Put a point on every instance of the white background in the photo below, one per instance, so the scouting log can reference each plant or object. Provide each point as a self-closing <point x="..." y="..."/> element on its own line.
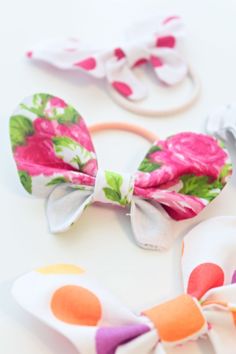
<point x="101" y="241"/>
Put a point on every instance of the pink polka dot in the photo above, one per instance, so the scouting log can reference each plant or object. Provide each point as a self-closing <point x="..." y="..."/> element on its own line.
<point x="123" y="88"/>
<point x="169" y="19"/>
<point x="167" y="41"/>
<point x="140" y="62"/>
<point x="29" y="54"/>
<point x="87" y="64"/>
<point x="156" y="62"/>
<point x="119" y="53"/>
<point x="203" y="278"/>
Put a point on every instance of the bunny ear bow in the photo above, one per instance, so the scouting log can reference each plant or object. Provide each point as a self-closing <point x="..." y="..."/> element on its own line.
<point x="157" y="43"/>
<point x="56" y="160"/>
<point x="65" y="298"/>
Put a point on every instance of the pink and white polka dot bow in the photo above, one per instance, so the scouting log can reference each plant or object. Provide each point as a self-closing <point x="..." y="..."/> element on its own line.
<point x="157" y="43"/>
<point x="56" y="160"/>
<point x="66" y="299"/>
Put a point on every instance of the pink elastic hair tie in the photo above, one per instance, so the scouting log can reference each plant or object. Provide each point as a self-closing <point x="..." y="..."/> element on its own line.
<point x="56" y="160"/>
<point x="132" y="128"/>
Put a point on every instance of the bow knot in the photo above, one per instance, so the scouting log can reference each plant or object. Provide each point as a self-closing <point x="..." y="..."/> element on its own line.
<point x="155" y="41"/>
<point x="56" y="158"/>
<point x="178" y="319"/>
<point x="112" y="187"/>
<point x="64" y="297"/>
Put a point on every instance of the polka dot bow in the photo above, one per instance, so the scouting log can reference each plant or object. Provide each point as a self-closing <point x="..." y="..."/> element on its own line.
<point x="63" y="297"/>
<point x="56" y="159"/>
<point x="156" y="42"/>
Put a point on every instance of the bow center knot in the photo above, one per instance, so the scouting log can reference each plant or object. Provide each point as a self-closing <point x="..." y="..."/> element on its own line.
<point x="178" y="320"/>
<point x="113" y="187"/>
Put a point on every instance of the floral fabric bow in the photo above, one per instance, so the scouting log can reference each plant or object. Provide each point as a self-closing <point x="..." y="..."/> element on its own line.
<point x="66" y="299"/>
<point x="55" y="158"/>
<point x="155" y="43"/>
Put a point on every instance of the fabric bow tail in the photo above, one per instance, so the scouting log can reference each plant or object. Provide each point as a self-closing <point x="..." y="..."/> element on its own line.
<point x="55" y="158"/>
<point x="222" y="123"/>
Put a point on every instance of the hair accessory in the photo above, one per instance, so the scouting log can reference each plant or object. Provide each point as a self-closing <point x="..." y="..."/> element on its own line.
<point x="55" y="158"/>
<point x="222" y="122"/>
<point x="66" y="299"/>
<point x="156" y="42"/>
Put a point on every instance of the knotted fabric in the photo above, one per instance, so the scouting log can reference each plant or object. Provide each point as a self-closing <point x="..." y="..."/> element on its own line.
<point x="66" y="299"/>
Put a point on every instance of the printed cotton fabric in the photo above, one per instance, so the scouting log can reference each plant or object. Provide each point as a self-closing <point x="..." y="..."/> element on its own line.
<point x="156" y="42"/>
<point x="56" y="159"/>
<point x="68" y="300"/>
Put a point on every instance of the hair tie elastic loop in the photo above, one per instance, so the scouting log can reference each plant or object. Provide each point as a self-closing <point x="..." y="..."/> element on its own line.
<point x="124" y="126"/>
<point x="134" y="108"/>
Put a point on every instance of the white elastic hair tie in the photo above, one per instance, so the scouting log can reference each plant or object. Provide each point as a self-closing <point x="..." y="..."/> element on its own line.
<point x="154" y="112"/>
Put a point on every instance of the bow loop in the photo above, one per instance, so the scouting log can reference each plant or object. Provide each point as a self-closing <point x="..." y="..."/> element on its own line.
<point x="51" y="145"/>
<point x="205" y="266"/>
<point x="55" y="158"/>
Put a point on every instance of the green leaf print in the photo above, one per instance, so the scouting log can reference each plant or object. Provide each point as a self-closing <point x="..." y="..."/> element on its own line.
<point x="226" y="171"/>
<point x="61" y="142"/>
<point x="148" y="166"/>
<point x="20" y="128"/>
<point x="26" y="181"/>
<point x="70" y="115"/>
<point x="111" y="194"/>
<point x="56" y="180"/>
<point x="200" y="186"/>
<point x="77" y="160"/>
<point x="39" y="105"/>
<point x="79" y="155"/>
<point x="39" y="101"/>
<point x="153" y="149"/>
<point x="221" y="144"/>
<point x="114" y="180"/>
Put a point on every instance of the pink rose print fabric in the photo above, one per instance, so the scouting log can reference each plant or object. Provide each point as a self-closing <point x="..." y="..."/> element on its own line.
<point x="65" y="298"/>
<point x="56" y="160"/>
<point x="156" y="43"/>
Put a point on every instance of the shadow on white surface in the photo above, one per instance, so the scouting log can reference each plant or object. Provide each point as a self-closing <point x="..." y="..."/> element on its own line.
<point x="44" y="336"/>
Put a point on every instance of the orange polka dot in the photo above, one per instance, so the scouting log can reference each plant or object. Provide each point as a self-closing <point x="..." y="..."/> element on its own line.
<point x="177" y="319"/>
<point x="76" y="305"/>
<point x="60" y="269"/>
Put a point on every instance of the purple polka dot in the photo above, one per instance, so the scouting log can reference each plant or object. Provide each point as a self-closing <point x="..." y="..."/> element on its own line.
<point x="234" y="278"/>
<point x="109" y="338"/>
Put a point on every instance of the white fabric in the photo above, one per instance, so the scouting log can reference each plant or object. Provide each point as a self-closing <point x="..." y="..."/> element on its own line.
<point x="222" y="122"/>
<point x="71" y="54"/>
<point x="212" y="242"/>
<point x="152" y="227"/>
